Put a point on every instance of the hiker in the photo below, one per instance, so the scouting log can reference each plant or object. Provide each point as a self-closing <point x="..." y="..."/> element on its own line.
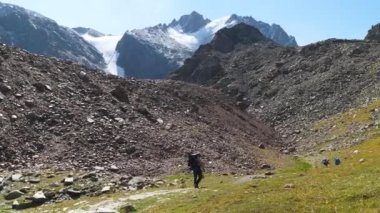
<point x="196" y="166"/>
<point x="325" y="162"/>
<point x="337" y="161"/>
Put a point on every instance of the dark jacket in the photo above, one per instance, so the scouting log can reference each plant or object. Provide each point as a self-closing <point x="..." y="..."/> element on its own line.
<point x="195" y="163"/>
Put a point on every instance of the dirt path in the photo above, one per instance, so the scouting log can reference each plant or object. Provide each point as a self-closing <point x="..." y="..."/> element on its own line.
<point x="110" y="205"/>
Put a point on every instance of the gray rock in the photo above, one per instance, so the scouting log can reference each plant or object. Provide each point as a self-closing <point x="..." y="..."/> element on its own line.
<point x="289" y="186"/>
<point x="120" y="94"/>
<point x="34" y="180"/>
<point x="99" y="168"/>
<point x="106" y="189"/>
<point x="5" y="88"/>
<point x="105" y="210"/>
<point x="89" y="175"/>
<point x="169" y="126"/>
<point x="269" y="173"/>
<point x="25" y="189"/>
<point x="49" y="194"/>
<point x="74" y="193"/>
<point x="2" y="97"/>
<point x="90" y="120"/>
<point x="261" y="146"/>
<point x="16" y="177"/>
<point x="137" y="182"/>
<point x="114" y="168"/>
<point x="265" y="166"/>
<point x="13" y="195"/>
<point x="18" y="95"/>
<point x="127" y="208"/>
<point x="15" y="204"/>
<point x="68" y="181"/>
<point x="39" y="197"/>
<point x="14" y="117"/>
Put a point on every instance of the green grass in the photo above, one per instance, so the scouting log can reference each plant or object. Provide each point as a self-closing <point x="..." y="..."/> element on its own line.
<point x="350" y="187"/>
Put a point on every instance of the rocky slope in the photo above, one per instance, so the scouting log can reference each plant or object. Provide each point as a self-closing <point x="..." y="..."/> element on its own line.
<point x="63" y="115"/>
<point x="37" y="34"/>
<point x="374" y="33"/>
<point x="153" y="52"/>
<point x="290" y="87"/>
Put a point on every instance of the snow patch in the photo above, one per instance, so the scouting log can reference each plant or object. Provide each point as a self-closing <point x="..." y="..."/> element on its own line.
<point x="187" y="40"/>
<point x="107" y="46"/>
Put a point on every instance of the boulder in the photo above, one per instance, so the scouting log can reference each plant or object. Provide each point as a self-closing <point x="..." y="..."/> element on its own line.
<point x="106" y="189"/>
<point x="120" y="94"/>
<point x="5" y="88"/>
<point x="2" y="97"/>
<point x="14" y="117"/>
<point x="68" y="181"/>
<point x="137" y="182"/>
<point x="39" y="197"/>
<point x="261" y="146"/>
<point x="49" y="194"/>
<point x="34" y="180"/>
<point x="265" y="166"/>
<point x="127" y="208"/>
<point x="74" y="193"/>
<point x="13" y="195"/>
<point x="114" y="168"/>
<point x="105" y="210"/>
<point x="269" y="173"/>
<point x="16" y="177"/>
<point x="25" y="189"/>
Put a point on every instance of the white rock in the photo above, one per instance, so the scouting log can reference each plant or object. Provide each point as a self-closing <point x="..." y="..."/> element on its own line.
<point x="99" y="168"/>
<point x="90" y="120"/>
<point x="68" y="181"/>
<point x="104" y="210"/>
<point x="106" y="189"/>
<point x="16" y="177"/>
<point x="39" y="197"/>
<point x="160" y="121"/>
<point x="356" y="152"/>
<point x="114" y="168"/>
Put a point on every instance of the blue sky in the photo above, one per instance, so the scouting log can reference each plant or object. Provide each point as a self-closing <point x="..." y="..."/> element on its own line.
<point x="308" y="20"/>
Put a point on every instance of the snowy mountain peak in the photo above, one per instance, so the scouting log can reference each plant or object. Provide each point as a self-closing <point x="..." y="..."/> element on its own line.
<point x="153" y="52"/>
<point x="189" y="23"/>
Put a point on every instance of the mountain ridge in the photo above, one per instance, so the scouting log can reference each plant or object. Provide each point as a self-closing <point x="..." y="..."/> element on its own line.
<point x="172" y="44"/>
<point x="38" y="34"/>
<point x="290" y="88"/>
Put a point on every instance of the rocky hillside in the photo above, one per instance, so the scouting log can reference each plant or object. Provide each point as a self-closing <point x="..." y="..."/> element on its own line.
<point x="37" y="34"/>
<point x="61" y="114"/>
<point x="153" y="52"/>
<point x="374" y="33"/>
<point x="290" y="87"/>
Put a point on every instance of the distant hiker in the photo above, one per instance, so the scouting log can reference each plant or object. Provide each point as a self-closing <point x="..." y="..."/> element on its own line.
<point x="337" y="161"/>
<point x="196" y="166"/>
<point x="325" y="162"/>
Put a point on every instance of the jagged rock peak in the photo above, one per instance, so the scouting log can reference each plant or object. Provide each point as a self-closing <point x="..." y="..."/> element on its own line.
<point x="274" y="31"/>
<point x="190" y="23"/>
<point x="374" y="33"/>
<point x="242" y="33"/>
